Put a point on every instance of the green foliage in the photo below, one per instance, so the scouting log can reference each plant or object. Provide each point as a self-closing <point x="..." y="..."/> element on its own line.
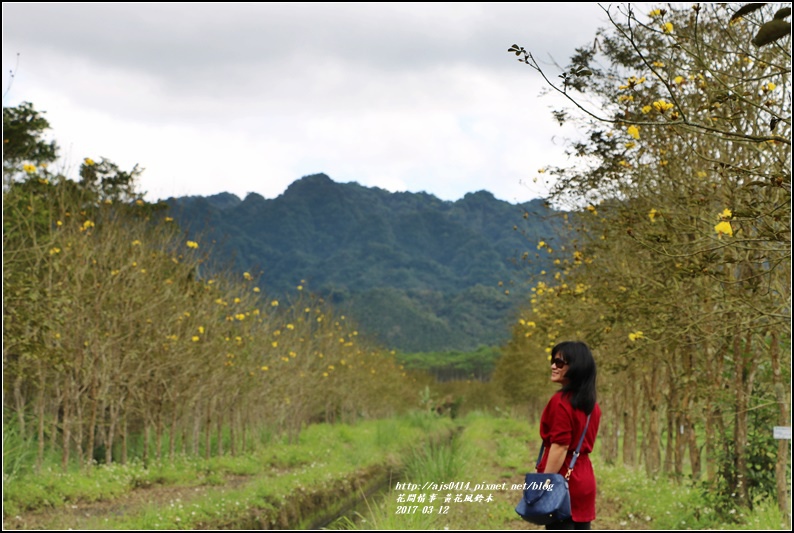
<point x="23" y="142"/>
<point x="453" y="365"/>
<point x="720" y="493"/>
<point x="17" y="454"/>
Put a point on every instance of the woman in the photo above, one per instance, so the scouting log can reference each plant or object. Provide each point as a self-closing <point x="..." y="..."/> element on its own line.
<point x="561" y="426"/>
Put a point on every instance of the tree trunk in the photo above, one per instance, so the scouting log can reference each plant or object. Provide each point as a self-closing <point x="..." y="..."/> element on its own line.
<point x="41" y="409"/>
<point x="630" y="423"/>
<point x="220" y="433"/>
<point x="669" y="444"/>
<point x="158" y="433"/>
<point x="67" y="434"/>
<point x="145" y="451"/>
<point x="196" y="429"/>
<point x="19" y="400"/>
<point x="172" y="435"/>
<point x="651" y="433"/>
<point x="89" y="452"/>
<point x="740" y="423"/>
<point x="124" y="436"/>
<point x="783" y="420"/>
<point x="207" y="431"/>
<point x="111" y="433"/>
<point x="232" y="433"/>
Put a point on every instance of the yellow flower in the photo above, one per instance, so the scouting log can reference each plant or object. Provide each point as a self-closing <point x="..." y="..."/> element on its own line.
<point x="169" y="219"/>
<point x="274" y="303"/>
<point x="678" y="80"/>
<point x="192" y="244"/>
<point x="247" y="276"/>
<point x="55" y="250"/>
<point x="724" y="228"/>
<point x="541" y="244"/>
<point x="726" y="214"/>
<point x="30" y="169"/>
<point x="770" y="87"/>
<point x="89" y="162"/>
<point x="646" y="109"/>
<point x="636" y="335"/>
<point x="240" y="316"/>
<point x="274" y="344"/>
<point x="264" y="369"/>
<point x="300" y="287"/>
<point x="658" y="64"/>
<point x="87" y="224"/>
<point x="201" y="329"/>
<point x="633" y="131"/>
<point x="702" y="174"/>
<point x="630" y="145"/>
<point x="195" y="338"/>
<point x="290" y="326"/>
<point x="237" y="300"/>
<point x="256" y="289"/>
<point x="138" y="202"/>
<point x="667" y="27"/>
<point x="652" y="215"/>
<point x="136" y="242"/>
<point x="662" y="106"/>
<point x="655" y="13"/>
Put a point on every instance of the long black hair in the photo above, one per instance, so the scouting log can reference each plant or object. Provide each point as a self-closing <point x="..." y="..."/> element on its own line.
<point x="581" y="374"/>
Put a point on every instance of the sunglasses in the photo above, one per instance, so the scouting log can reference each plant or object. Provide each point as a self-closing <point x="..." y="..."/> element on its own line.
<point x="558" y="362"/>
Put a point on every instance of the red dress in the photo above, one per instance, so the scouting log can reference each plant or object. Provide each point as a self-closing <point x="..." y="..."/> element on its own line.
<point x="562" y="424"/>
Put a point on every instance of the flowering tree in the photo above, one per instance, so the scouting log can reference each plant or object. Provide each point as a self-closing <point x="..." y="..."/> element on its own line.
<point x="682" y="204"/>
<point x="118" y="338"/>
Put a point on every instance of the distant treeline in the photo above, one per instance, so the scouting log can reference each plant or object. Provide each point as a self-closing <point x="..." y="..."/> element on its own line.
<point x="453" y="365"/>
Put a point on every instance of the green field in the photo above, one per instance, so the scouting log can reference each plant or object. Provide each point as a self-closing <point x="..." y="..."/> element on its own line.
<point x="352" y="477"/>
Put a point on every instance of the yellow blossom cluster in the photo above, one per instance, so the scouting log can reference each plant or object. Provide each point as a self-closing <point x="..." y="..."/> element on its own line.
<point x="632" y="82"/>
<point x="661" y="106"/>
<point x="724" y="226"/>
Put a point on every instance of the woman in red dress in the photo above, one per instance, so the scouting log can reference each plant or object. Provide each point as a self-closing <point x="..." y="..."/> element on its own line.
<point x="561" y="426"/>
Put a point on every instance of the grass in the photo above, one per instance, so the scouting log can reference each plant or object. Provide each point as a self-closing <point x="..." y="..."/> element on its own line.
<point x="496" y="451"/>
<point x="282" y="486"/>
<point x="328" y="460"/>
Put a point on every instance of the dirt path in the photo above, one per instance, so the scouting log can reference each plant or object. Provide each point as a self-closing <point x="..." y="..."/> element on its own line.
<point x="91" y="515"/>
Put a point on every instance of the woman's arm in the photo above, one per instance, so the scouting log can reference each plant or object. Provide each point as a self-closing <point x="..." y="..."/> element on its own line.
<point x="556" y="457"/>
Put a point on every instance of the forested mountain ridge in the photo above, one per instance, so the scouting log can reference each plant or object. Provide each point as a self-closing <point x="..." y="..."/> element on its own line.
<point x="417" y="272"/>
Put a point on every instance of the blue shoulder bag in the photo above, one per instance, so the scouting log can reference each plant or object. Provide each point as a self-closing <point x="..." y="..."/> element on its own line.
<point x="546" y="498"/>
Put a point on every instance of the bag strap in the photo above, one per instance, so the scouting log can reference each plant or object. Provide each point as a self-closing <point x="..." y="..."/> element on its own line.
<point x="575" y="453"/>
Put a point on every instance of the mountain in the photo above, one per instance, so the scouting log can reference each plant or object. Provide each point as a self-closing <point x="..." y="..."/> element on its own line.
<point x="414" y="271"/>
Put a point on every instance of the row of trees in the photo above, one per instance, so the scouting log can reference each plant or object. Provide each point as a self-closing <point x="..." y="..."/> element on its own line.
<point x="680" y="275"/>
<point x="119" y="341"/>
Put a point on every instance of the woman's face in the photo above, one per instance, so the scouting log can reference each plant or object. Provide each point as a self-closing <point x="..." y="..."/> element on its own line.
<point x="558" y="369"/>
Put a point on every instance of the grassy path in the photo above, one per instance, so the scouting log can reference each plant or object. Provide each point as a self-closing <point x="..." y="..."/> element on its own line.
<point x="300" y="486"/>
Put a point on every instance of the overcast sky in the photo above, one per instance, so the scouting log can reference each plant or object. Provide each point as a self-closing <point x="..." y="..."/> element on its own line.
<point x="243" y="98"/>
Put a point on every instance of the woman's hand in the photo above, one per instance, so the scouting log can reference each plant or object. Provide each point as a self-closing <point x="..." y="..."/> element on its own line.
<point x="556" y="457"/>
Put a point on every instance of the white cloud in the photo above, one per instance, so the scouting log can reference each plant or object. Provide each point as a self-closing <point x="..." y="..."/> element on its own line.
<point x="250" y="97"/>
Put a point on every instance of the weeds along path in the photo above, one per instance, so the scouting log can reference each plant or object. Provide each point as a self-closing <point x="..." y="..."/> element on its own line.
<point x="285" y="486"/>
<point x="91" y="515"/>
